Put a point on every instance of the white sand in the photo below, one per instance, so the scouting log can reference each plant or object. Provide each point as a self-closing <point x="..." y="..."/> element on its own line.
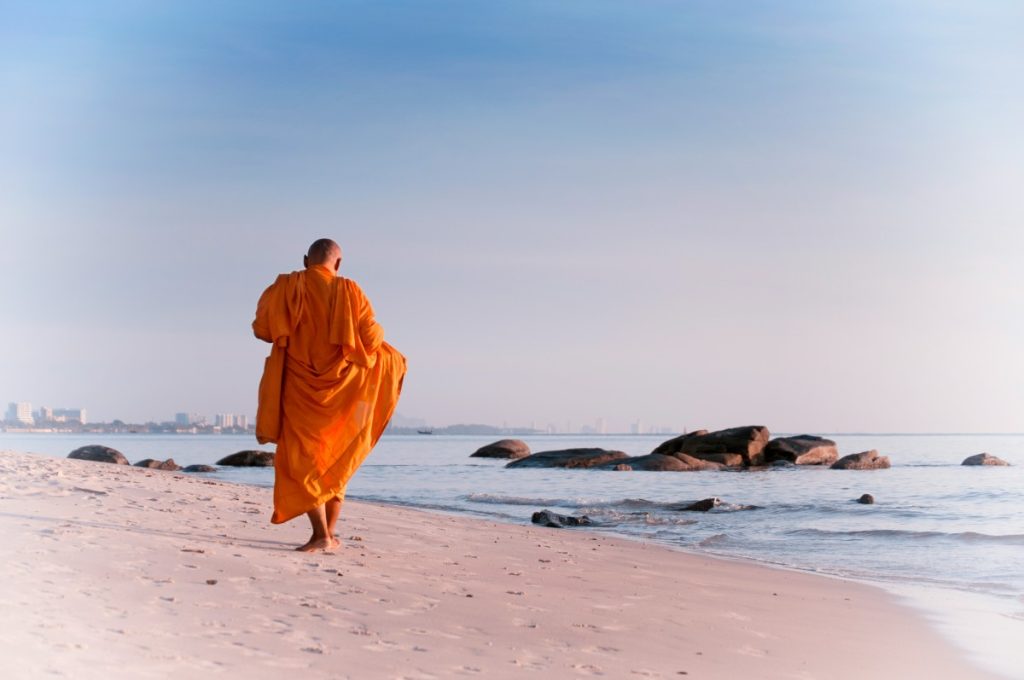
<point x="116" y="572"/>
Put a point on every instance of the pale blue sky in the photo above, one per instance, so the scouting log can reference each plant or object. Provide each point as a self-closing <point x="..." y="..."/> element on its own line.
<point x="801" y="214"/>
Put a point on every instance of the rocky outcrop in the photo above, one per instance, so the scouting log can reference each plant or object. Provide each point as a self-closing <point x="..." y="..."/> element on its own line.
<point x="699" y="506"/>
<point x="748" y="442"/>
<point x="866" y="499"/>
<point x="199" y="468"/>
<point x="866" y="460"/>
<point x="99" y="454"/>
<point x="804" y="449"/>
<point x="656" y="462"/>
<point x="569" y="458"/>
<point x="676" y="444"/>
<point x="547" y="518"/>
<point x="983" y="459"/>
<point x="152" y="464"/>
<point x="248" y="459"/>
<point x="505" y="448"/>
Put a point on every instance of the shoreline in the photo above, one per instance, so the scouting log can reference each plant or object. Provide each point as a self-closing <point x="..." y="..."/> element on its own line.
<point x="107" y="570"/>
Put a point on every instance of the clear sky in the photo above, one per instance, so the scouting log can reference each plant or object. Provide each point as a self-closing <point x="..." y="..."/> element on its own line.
<point x="803" y="214"/>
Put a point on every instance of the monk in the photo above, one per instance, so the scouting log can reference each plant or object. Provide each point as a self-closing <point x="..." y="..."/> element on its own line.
<point x="329" y="388"/>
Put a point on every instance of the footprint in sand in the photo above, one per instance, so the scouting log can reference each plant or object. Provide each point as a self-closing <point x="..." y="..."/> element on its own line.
<point x="587" y="669"/>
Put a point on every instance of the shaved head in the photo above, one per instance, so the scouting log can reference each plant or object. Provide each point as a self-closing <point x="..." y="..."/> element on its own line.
<point x="323" y="251"/>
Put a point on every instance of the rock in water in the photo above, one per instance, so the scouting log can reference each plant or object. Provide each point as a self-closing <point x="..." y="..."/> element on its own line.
<point x="983" y="459"/>
<point x="866" y="460"/>
<point x="659" y="463"/>
<point x="866" y="499"/>
<point x="569" y="458"/>
<point x="804" y="449"/>
<point x="248" y="459"/>
<point x="699" y="506"/>
<point x="168" y="464"/>
<point x="553" y="519"/>
<point x="99" y="454"/>
<point x="748" y="442"/>
<point x="505" y="448"/>
<point x="199" y="468"/>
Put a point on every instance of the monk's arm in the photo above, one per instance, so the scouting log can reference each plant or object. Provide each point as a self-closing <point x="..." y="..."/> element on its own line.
<point x="370" y="332"/>
<point x="261" y="324"/>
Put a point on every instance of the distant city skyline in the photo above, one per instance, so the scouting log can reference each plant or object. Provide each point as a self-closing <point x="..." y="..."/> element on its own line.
<point x="798" y="214"/>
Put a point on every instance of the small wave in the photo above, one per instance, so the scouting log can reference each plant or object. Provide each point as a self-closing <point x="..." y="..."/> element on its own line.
<point x="713" y="540"/>
<point x="498" y="499"/>
<point x="966" y="536"/>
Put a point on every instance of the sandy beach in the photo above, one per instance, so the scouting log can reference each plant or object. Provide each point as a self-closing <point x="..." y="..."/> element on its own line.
<point x="121" y="572"/>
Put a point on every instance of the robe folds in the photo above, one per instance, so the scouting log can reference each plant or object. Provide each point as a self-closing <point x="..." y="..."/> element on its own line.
<point x="329" y="386"/>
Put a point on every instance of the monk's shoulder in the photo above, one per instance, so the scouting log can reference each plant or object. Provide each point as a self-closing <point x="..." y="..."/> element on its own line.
<point x="351" y="287"/>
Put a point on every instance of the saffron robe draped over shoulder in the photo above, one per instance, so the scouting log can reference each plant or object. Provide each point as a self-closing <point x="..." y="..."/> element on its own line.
<point x="329" y="386"/>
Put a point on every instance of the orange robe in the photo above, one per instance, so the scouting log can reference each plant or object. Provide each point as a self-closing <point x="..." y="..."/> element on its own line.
<point x="329" y="387"/>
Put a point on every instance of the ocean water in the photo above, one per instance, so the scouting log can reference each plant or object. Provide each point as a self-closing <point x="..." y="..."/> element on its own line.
<point x="948" y="539"/>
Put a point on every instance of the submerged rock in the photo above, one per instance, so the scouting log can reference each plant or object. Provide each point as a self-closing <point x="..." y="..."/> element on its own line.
<point x="505" y="448"/>
<point x="99" y="454"/>
<point x="699" y="506"/>
<point x="747" y="442"/>
<point x="984" y="459"/>
<point x="651" y="462"/>
<point x="804" y="449"/>
<point x="152" y="464"/>
<point x="248" y="459"/>
<point x="569" y="458"/>
<point x="199" y="468"/>
<point x="866" y="499"/>
<point x="656" y="462"/>
<point x="865" y="460"/>
<point x="553" y="519"/>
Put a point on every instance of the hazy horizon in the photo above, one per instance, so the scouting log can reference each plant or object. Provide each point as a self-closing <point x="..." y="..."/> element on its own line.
<point x="795" y="214"/>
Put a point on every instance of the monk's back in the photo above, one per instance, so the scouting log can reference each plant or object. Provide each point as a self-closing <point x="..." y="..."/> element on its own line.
<point x="310" y="344"/>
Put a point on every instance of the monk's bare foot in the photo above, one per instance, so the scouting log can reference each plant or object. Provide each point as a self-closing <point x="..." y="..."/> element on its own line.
<point x="327" y="544"/>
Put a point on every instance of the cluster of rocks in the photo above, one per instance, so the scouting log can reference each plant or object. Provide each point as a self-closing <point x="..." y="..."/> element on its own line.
<point x="730" y="449"/>
<point x="104" y="454"/>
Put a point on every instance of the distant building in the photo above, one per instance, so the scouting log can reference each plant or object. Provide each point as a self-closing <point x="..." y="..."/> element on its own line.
<point x="242" y="422"/>
<point x="224" y="420"/>
<point x="69" y="415"/>
<point x="20" y="412"/>
<point x="600" y="427"/>
<point x="636" y="428"/>
<point x="45" y="414"/>
<point x="188" y="419"/>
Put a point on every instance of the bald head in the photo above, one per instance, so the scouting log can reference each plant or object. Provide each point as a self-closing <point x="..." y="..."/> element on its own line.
<point x="323" y="251"/>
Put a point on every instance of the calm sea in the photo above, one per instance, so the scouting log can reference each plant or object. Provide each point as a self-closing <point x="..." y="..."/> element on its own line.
<point x="948" y="538"/>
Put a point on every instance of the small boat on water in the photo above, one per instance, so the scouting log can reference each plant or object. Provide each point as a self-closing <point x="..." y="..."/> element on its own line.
<point x="425" y="430"/>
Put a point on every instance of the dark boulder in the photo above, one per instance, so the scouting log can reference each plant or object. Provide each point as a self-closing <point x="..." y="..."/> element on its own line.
<point x="199" y="468"/>
<point x="99" y="454"/>
<point x="168" y="464"/>
<point x="656" y="462"/>
<point x="804" y="449"/>
<point x="983" y="459"/>
<point x="866" y="460"/>
<point x="748" y="441"/>
<point x="676" y="444"/>
<point x="866" y="499"/>
<point x="698" y="506"/>
<point x="720" y="459"/>
<point x="569" y="458"/>
<point x="506" y="448"/>
<point x="781" y="464"/>
<point x="248" y="459"/>
<point x="553" y="519"/>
